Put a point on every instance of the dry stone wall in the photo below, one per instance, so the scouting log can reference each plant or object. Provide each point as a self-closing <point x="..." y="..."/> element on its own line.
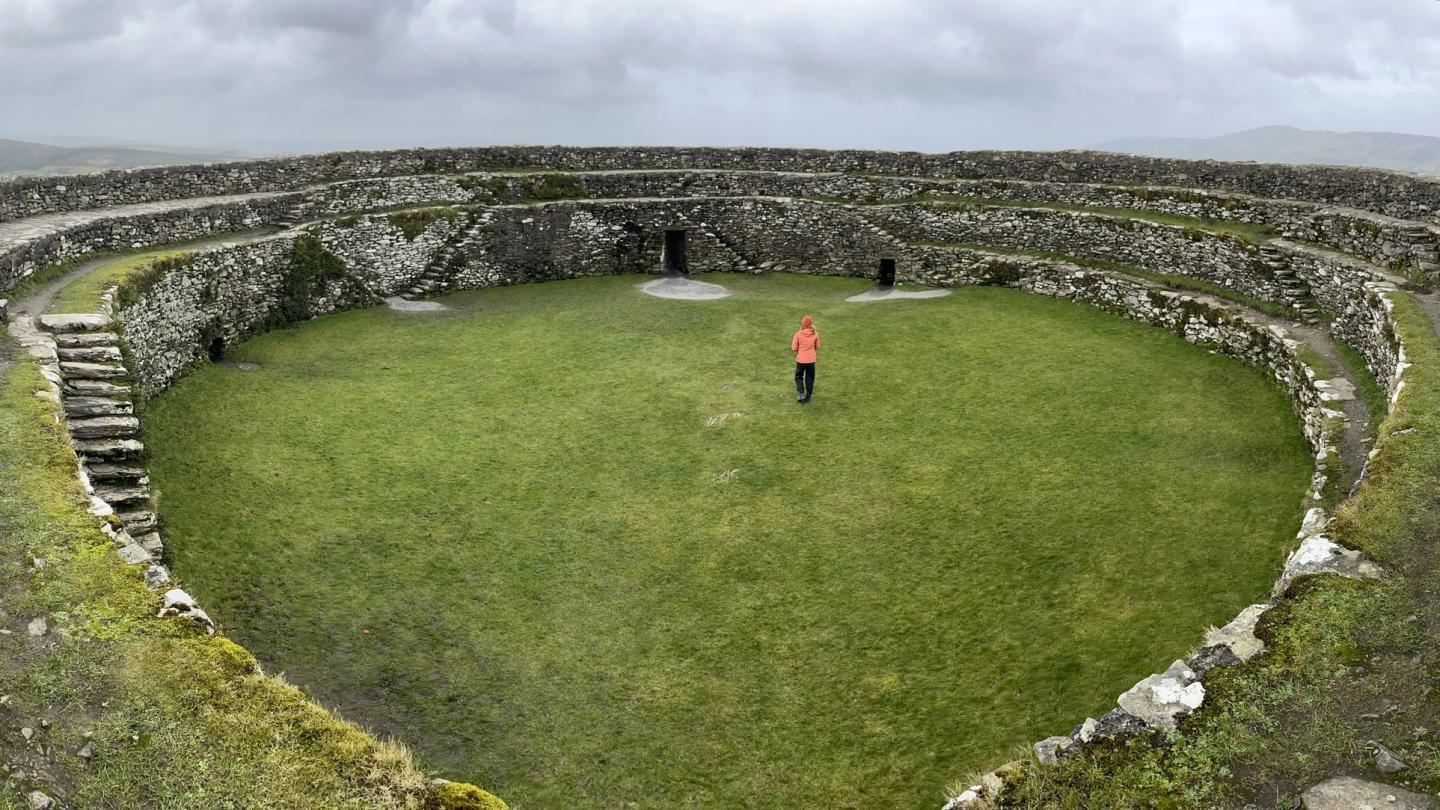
<point x="1216" y="258"/>
<point x="1392" y="193"/>
<point x="378" y="251"/>
<point x="1407" y="247"/>
<point x="221" y="295"/>
<point x="18" y="261"/>
<point x="839" y="223"/>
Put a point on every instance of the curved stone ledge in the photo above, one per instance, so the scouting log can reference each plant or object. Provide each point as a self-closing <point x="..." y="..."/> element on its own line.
<point x="1395" y="194"/>
<point x="225" y="294"/>
<point x="1408" y="247"/>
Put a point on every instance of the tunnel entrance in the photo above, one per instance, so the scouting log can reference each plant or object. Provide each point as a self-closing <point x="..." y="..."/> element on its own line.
<point x="887" y="272"/>
<point x="672" y="258"/>
<point x="216" y="349"/>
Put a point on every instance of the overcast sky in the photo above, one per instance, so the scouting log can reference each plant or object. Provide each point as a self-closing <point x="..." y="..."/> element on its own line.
<point x="300" y="75"/>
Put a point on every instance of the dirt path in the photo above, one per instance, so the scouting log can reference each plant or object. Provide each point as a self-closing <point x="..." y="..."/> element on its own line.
<point x="36" y="303"/>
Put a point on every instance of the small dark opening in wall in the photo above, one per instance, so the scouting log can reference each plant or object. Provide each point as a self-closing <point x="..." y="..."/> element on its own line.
<point x="672" y="258"/>
<point x="887" y="272"/>
<point x="216" y="349"/>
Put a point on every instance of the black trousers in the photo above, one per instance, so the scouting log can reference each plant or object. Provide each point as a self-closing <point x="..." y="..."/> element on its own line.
<point x="805" y="379"/>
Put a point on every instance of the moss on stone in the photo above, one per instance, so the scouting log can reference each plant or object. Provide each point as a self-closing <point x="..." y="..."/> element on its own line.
<point x="134" y="287"/>
<point x="312" y="266"/>
<point x="461" y="796"/>
<point x="412" y="223"/>
<point x="556" y="186"/>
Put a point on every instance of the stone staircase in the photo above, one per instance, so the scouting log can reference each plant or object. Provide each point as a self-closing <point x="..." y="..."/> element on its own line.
<point x="1293" y="290"/>
<point x="1423" y="245"/>
<point x="298" y="213"/>
<point x="440" y="273"/>
<point x="730" y="253"/>
<point x="95" y="396"/>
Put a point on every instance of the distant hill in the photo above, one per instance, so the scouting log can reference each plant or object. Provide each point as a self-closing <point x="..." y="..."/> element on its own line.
<point x="27" y="157"/>
<point x="1385" y="150"/>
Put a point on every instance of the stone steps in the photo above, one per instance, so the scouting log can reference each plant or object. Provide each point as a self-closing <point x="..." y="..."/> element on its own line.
<point x="102" y="425"/>
<point x="151" y="542"/>
<point x="75" y="340"/>
<point x="66" y="324"/>
<point x="108" y="449"/>
<point x="89" y="354"/>
<point x="118" y="495"/>
<point x="105" y="427"/>
<point x="109" y="471"/>
<point x="436" y="277"/>
<point x="93" y="388"/>
<point x="139" y="522"/>
<point x="92" y="371"/>
<point x="83" y="406"/>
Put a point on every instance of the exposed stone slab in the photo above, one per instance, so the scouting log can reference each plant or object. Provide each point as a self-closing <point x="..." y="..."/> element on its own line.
<point x="80" y="407"/>
<point x="94" y="388"/>
<point x="109" y="449"/>
<point x="1115" y="723"/>
<point x="123" y="495"/>
<point x="1349" y="793"/>
<point x="179" y="603"/>
<point x="1320" y="555"/>
<point x="1161" y="700"/>
<point x="1052" y="749"/>
<point x="92" y="371"/>
<point x="134" y="554"/>
<point x="89" y="354"/>
<point x="1205" y="659"/>
<point x="395" y="302"/>
<point x="105" y="427"/>
<point x="140" y="522"/>
<point x="108" y="471"/>
<point x="61" y="324"/>
<point x="684" y="289"/>
<point x="86" y="339"/>
<point x="1387" y="761"/>
<point x="894" y="294"/>
<point x="152" y="543"/>
<point x="1239" y="634"/>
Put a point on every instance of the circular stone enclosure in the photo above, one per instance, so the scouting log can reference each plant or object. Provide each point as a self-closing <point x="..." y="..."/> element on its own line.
<point x="580" y="545"/>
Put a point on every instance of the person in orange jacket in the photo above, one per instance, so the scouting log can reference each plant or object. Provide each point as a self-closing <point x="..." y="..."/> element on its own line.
<point x="804" y="344"/>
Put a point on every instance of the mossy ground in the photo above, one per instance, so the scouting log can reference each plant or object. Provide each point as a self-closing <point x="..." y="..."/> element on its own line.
<point x="504" y="533"/>
<point x="176" y="719"/>
<point x="84" y="294"/>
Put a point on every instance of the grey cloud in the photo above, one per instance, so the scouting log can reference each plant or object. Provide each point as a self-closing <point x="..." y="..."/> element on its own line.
<point x="997" y="72"/>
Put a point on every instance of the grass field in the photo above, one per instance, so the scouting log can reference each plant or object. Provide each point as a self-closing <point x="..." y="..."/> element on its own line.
<point x="84" y="294"/>
<point x="506" y="534"/>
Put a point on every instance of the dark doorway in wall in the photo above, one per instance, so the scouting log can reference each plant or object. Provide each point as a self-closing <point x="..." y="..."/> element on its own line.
<point x="887" y="272"/>
<point x="216" y="349"/>
<point x="672" y="258"/>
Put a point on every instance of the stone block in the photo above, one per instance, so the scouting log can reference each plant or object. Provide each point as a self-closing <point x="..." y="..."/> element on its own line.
<point x="1349" y="793"/>
<point x="1159" y="701"/>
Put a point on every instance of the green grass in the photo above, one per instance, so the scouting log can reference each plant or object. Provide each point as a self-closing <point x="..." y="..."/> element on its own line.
<point x="50" y="272"/>
<point x="497" y="531"/>
<point x="177" y="720"/>
<point x="1298" y="714"/>
<point x="84" y="293"/>
<point x="1366" y="386"/>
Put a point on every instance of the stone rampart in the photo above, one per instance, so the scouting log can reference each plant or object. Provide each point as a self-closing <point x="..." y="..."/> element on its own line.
<point x="184" y="223"/>
<point x="840" y="225"/>
<point x="1394" y="194"/>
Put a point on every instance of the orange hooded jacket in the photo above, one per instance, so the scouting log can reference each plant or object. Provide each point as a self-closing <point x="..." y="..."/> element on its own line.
<point x="805" y="342"/>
